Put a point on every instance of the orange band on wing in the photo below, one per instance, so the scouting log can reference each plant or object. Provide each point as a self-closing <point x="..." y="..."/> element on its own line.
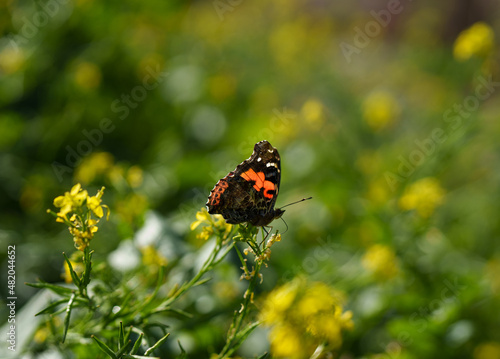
<point x="260" y="182"/>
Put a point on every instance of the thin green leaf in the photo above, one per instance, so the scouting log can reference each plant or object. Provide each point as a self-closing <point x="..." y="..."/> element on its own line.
<point x="64" y="291"/>
<point x="155" y="292"/>
<point x="73" y="274"/>
<point x="128" y="356"/>
<point x="121" y="336"/>
<point x="123" y="348"/>
<point x="68" y="315"/>
<point x="243" y="334"/>
<point x="202" y="281"/>
<point x="104" y="347"/>
<point x="183" y="354"/>
<point x="51" y="306"/>
<point x="137" y="344"/>
<point x="156" y="345"/>
<point x="174" y="310"/>
<point x="88" y="267"/>
<point x="127" y="335"/>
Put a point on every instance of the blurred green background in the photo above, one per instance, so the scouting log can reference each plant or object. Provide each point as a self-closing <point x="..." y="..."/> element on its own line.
<point x="386" y="112"/>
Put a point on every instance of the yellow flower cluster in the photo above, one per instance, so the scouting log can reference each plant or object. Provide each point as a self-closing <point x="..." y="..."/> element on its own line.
<point x="424" y="196"/>
<point x="214" y="224"/>
<point x="478" y="40"/>
<point x="303" y="316"/>
<point x="487" y="350"/>
<point x="102" y="164"/>
<point x="78" y="205"/>
<point x="87" y="75"/>
<point x="380" y="109"/>
<point x="381" y="261"/>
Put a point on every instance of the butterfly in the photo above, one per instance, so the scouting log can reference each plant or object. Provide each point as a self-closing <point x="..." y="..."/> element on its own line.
<point x="249" y="193"/>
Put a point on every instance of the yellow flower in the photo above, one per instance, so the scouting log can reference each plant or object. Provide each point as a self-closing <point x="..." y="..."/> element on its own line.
<point x="87" y="75"/>
<point x="305" y="314"/>
<point x="313" y="113"/>
<point x="12" y="59"/>
<point x="215" y="223"/>
<point x="201" y="217"/>
<point x="319" y="297"/>
<point x="286" y="342"/>
<point x="381" y="261"/>
<point x="81" y="226"/>
<point x="424" y="196"/>
<point x="492" y="268"/>
<point x="488" y="350"/>
<point x="94" y="165"/>
<point x="278" y="302"/>
<point x="94" y="204"/>
<point x="134" y="176"/>
<point x="380" y="109"/>
<point x="151" y="257"/>
<point x="478" y="40"/>
<point x="70" y="201"/>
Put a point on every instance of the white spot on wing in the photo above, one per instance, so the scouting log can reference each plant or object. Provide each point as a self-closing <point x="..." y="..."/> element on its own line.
<point x="269" y="164"/>
<point x="270" y="151"/>
<point x="259" y="159"/>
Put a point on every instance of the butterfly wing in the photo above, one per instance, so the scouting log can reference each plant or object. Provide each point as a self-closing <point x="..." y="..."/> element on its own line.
<point x="249" y="193"/>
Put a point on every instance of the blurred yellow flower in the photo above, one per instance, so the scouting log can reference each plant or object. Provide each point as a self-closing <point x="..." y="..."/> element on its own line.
<point x="201" y="217"/>
<point x="151" y="257"/>
<point x="134" y="176"/>
<point x="46" y="329"/>
<point x="307" y="315"/>
<point x="222" y="86"/>
<point x="424" y="196"/>
<point x="92" y="166"/>
<point x="132" y="207"/>
<point x="381" y="261"/>
<point x="11" y="59"/>
<point x="380" y="109"/>
<point x="287" y="41"/>
<point x="87" y="75"/>
<point x="287" y="342"/>
<point x="492" y="269"/>
<point x="478" y="40"/>
<point x="278" y="302"/>
<point x="488" y="350"/>
<point x="213" y="223"/>
<point x="313" y="112"/>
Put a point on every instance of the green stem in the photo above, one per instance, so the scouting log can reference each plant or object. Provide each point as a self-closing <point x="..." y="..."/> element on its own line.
<point x="233" y="341"/>
<point x="207" y="266"/>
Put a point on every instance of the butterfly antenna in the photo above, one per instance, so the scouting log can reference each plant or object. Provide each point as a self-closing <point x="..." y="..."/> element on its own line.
<point x="286" y="223"/>
<point x="302" y="200"/>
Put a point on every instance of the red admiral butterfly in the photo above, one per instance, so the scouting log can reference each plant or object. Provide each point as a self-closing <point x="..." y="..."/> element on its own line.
<point x="248" y="193"/>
